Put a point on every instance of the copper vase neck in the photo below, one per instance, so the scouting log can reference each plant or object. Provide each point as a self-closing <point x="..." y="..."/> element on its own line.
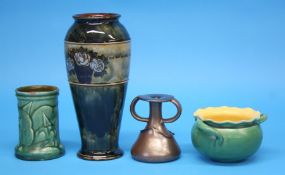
<point x="155" y="115"/>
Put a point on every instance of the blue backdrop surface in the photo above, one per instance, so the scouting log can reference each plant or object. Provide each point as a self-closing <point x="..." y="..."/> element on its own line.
<point x="205" y="53"/>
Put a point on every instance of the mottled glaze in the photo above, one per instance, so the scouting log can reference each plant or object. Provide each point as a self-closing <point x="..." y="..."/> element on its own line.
<point x="97" y="54"/>
<point x="99" y="112"/>
<point x="227" y="141"/>
<point x="38" y="123"/>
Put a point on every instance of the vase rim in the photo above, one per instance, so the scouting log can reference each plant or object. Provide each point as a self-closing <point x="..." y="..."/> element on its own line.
<point x="37" y="90"/>
<point x="97" y="16"/>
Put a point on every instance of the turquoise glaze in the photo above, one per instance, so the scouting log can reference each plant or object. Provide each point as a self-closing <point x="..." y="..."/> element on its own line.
<point x="38" y="123"/>
<point x="227" y="141"/>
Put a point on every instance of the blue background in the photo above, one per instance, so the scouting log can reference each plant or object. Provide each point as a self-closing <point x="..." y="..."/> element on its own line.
<point x="204" y="52"/>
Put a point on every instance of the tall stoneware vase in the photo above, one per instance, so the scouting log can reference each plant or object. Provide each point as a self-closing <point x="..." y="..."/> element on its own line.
<point x="97" y="52"/>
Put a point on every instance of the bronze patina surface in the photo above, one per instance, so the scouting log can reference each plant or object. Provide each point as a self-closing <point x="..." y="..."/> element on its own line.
<point x="155" y="143"/>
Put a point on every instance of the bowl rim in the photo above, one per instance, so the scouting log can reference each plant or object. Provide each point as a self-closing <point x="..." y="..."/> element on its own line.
<point x="258" y="118"/>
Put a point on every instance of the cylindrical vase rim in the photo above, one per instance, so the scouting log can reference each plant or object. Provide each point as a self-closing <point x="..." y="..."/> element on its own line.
<point x="37" y="90"/>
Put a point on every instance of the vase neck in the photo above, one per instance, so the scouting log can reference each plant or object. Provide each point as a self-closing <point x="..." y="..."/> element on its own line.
<point x="155" y="118"/>
<point x="96" y="17"/>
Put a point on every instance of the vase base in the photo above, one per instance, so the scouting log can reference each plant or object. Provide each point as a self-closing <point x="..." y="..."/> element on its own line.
<point x="109" y="155"/>
<point x="155" y="159"/>
<point x="47" y="153"/>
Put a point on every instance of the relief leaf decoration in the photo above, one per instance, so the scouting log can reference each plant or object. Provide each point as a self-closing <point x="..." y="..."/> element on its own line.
<point x="43" y="126"/>
<point x="41" y="115"/>
<point x="27" y="133"/>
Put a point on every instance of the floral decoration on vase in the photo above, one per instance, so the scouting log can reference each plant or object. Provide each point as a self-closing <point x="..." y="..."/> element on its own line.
<point x="86" y="63"/>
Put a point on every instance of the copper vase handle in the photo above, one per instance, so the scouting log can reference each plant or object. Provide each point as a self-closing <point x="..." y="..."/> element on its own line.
<point x="158" y="98"/>
<point x="177" y="115"/>
<point x="134" y="113"/>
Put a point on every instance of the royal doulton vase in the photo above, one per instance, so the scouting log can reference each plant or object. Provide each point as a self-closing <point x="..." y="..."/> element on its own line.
<point x="97" y="52"/>
<point x="38" y="123"/>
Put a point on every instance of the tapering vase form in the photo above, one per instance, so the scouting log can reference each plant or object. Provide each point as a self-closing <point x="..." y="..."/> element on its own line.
<point x="38" y="123"/>
<point x="97" y="52"/>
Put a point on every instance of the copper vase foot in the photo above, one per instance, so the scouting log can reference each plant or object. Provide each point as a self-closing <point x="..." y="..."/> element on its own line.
<point x="156" y="159"/>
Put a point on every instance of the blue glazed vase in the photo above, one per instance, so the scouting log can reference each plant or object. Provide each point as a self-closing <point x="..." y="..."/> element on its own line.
<point x="97" y="53"/>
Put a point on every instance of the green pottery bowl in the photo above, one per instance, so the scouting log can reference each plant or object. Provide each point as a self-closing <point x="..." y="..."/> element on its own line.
<point x="227" y="134"/>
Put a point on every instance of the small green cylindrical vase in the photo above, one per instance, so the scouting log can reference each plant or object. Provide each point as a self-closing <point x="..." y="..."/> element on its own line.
<point x="38" y="123"/>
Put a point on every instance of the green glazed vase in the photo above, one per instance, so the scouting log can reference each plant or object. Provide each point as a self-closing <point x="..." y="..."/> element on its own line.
<point x="227" y="141"/>
<point x="97" y="54"/>
<point x="38" y="123"/>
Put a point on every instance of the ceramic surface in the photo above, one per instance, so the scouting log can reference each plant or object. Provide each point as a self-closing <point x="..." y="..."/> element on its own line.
<point x="227" y="141"/>
<point x="97" y="54"/>
<point x="38" y="123"/>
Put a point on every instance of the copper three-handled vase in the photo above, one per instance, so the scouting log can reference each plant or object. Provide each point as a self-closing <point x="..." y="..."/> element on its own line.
<point x="97" y="52"/>
<point x="155" y="143"/>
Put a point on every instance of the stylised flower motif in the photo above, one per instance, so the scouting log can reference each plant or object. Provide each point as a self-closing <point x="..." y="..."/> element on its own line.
<point x="82" y="59"/>
<point x="69" y="64"/>
<point x="97" y="65"/>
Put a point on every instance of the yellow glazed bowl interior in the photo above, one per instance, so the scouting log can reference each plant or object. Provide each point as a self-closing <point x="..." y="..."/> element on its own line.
<point x="227" y="114"/>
